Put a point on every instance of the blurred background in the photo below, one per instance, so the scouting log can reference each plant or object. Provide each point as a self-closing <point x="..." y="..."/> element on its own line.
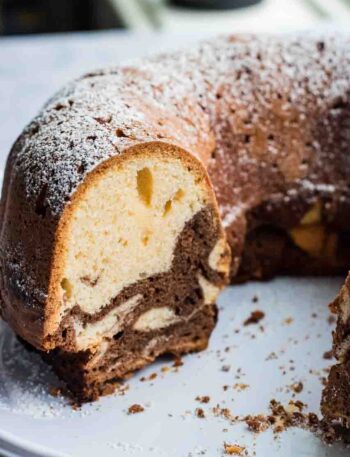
<point x="54" y="16"/>
<point x="45" y="43"/>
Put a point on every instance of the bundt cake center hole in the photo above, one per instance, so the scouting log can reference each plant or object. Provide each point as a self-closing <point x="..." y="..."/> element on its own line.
<point x="145" y="185"/>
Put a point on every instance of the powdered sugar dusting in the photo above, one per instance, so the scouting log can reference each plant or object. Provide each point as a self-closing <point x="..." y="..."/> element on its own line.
<point x="25" y="381"/>
<point x="179" y="97"/>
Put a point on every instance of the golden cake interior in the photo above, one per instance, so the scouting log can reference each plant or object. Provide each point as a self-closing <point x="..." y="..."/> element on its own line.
<point x="124" y="229"/>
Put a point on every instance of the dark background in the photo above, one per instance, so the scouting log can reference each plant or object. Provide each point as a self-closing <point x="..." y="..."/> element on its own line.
<point x="53" y="16"/>
<point x="44" y="16"/>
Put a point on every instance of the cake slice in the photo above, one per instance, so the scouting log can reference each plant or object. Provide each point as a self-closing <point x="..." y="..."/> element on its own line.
<point x="124" y="268"/>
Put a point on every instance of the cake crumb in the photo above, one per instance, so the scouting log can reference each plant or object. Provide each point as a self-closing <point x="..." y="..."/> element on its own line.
<point x="297" y="387"/>
<point x="135" y="408"/>
<point x="178" y="362"/>
<point x="257" y="424"/>
<point x="233" y="449"/>
<point x="203" y="399"/>
<point x="328" y="355"/>
<point x="254" y="318"/>
<point x="225" y="413"/>
<point x="240" y="386"/>
<point x="271" y="356"/>
<point x="200" y="413"/>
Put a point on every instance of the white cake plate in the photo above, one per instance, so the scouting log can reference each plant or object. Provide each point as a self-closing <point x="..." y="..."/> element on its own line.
<point x="295" y="328"/>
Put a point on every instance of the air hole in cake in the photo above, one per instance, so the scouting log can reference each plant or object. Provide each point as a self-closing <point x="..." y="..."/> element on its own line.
<point x="145" y="185"/>
<point x="67" y="287"/>
<point x="118" y="335"/>
<point x="189" y="301"/>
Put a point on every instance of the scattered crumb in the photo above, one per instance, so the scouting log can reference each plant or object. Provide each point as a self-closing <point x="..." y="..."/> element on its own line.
<point x="255" y="299"/>
<point x="203" y="399"/>
<point x="178" y="363"/>
<point x="240" y="386"/>
<point x="328" y="355"/>
<point x="288" y="320"/>
<point x="272" y="356"/>
<point x="135" y="408"/>
<point x="200" y="413"/>
<point x="297" y="387"/>
<point x="225" y="413"/>
<point x="254" y="318"/>
<point x="226" y="368"/>
<point x="233" y="449"/>
<point x="151" y="377"/>
<point x="257" y="424"/>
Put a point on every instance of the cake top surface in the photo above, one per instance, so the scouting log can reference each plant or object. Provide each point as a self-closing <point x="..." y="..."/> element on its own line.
<point x="181" y="98"/>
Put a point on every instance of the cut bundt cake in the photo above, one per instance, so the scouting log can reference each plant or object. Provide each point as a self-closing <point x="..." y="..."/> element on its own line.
<point x="124" y="269"/>
<point x="113" y="237"/>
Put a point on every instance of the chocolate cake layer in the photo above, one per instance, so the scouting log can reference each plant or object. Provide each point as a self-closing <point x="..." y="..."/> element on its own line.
<point x="90" y="375"/>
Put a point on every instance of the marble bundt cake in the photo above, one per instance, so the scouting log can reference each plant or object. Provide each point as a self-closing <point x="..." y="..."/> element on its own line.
<point x="113" y="249"/>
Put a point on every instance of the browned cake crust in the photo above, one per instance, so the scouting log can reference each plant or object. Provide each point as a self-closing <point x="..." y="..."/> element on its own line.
<point x="267" y="118"/>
